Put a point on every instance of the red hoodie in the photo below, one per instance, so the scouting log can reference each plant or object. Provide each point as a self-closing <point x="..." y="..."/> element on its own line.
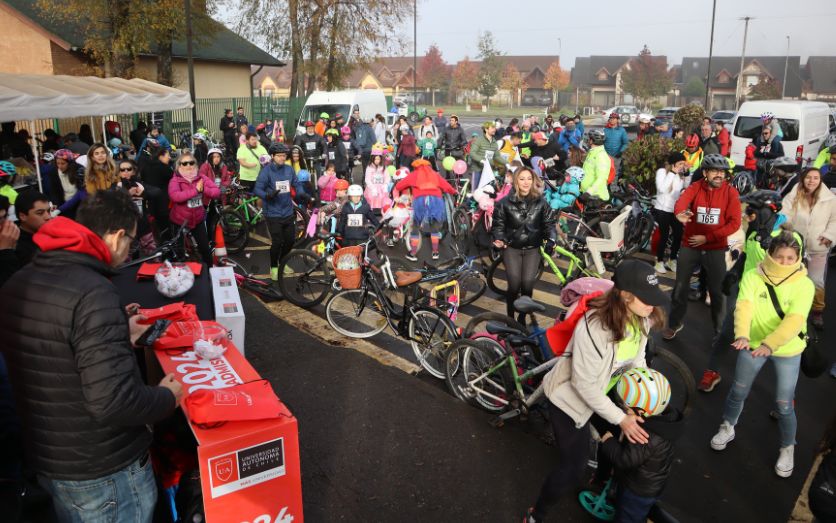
<point x="68" y="235"/>
<point x="423" y="181"/>
<point x="716" y="214"/>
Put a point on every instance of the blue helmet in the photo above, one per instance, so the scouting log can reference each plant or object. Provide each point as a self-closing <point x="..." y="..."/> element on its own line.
<point x="576" y="173"/>
<point x="303" y="176"/>
<point x="8" y="167"/>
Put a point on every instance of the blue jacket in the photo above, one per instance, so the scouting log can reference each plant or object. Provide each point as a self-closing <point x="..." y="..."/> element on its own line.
<point x="273" y="186"/>
<point x="569" y="139"/>
<point x="354" y="223"/>
<point x="616" y="140"/>
<point x="364" y="137"/>
<point x="564" y="196"/>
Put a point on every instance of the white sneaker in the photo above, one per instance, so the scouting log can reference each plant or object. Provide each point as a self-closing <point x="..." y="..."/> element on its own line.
<point x="660" y="268"/>
<point x="784" y="465"/>
<point x="671" y="265"/>
<point x="708" y="299"/>
<point x="723" y="437"/>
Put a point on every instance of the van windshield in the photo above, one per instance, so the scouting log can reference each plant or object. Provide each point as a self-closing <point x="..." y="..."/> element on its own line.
<point x="750" y="127"/>
<point x="312" y="112"/>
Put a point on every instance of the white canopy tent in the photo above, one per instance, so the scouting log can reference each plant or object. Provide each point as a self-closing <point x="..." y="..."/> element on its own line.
<point x="34" y="97"/>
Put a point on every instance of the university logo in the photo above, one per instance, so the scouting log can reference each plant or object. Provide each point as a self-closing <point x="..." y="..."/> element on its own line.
<point x="223" y="469"/>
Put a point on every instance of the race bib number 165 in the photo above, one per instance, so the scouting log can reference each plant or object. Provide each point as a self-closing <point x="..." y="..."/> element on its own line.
<point x="708" y="215"/>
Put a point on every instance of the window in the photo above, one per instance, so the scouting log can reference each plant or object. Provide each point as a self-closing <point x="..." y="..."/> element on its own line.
<point x="602" y="76"/>
<point x="750" y="127"/>
<point x="751" y="80"/>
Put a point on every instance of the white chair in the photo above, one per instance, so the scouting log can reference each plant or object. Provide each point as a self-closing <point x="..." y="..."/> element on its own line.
<point x="613" y="243"/>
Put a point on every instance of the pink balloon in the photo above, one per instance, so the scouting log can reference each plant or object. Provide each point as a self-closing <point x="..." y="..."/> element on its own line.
<point x="460" y="167"/>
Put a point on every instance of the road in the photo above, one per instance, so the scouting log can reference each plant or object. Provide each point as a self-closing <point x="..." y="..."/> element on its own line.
<point x="379" y="443"/>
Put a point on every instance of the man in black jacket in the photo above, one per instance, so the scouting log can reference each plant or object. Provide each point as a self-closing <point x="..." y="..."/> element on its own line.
<point x="542" y="147"/>
<point x="68" y="344"/>
<point x="227" y="126"/>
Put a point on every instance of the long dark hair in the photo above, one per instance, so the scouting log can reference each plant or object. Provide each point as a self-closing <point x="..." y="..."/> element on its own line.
<point x="611" y="310"/>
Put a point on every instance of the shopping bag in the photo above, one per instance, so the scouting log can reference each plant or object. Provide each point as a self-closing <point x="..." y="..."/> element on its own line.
<point x="249" y="401"/>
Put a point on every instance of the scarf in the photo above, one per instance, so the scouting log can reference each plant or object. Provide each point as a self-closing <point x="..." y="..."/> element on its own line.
<point x="189" y="177"/>
<point x="775" y="273"/>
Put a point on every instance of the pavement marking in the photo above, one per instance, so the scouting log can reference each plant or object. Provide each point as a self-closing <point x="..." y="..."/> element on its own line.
<point x="258" y="248"/>
<point x="257" y="237"/>
<point x="318" y="327"/>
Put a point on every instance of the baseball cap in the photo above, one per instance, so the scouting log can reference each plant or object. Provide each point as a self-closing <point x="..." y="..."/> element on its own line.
<point x="640" y="279"/>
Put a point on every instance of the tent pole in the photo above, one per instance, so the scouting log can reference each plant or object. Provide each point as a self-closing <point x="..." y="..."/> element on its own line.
<point x="191" y="119"/>
<point x="93" y="128"/>
<point x="104" y="134"/>
<point x="37" y="159"/>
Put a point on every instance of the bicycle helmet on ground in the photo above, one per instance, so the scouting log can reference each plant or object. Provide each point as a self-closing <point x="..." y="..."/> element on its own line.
<point x="647" y="390"/>
<point x="575" y="172"/>
<point x="303" y="175"/>
<point x="340" y="185"/>
<point x="715" y="161"/>
<point x="766" y="116"/>
<point x="277" y="148"/>
<point x="8" y="167"/>
<point x="355" y="190"/>
<point x="744" y="182"/>
<point x="693" y="140"/>
<point x="596" y="136"/>
<point x="784" y="163"/>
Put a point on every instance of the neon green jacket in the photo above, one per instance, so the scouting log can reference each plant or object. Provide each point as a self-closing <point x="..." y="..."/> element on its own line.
<point x="822" y="158"/>
<point x="755" y="317"/>
<point x="596" y="170"/>
<point x="9" y="192"/>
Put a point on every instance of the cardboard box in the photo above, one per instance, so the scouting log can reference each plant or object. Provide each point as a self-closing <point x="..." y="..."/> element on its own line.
<point x="228" y="309"/>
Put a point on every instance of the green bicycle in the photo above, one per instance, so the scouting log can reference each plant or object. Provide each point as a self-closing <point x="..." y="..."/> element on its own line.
<point x="575" y="268"/>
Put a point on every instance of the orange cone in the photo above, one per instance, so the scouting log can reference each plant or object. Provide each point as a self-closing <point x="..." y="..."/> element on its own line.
<point x="220" y="245"/>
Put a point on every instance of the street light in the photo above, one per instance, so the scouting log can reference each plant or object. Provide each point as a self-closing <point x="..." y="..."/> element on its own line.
<point x="415" y="53"/>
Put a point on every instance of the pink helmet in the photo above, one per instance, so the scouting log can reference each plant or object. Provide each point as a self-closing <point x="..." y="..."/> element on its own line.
<point x="65" y="154"/>
<point x="345" y="130"/>
<point x="377" y="149"/>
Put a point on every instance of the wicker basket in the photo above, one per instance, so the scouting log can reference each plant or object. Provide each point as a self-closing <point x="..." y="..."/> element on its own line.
<point x="349" y="278"/>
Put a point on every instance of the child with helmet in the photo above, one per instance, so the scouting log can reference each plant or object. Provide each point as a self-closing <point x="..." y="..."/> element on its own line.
<point x="377" y="180"/>
<point x="642" y="471"/>
<point x="333" y="208"/>
<point x="566" y="193"/>
<point x="335" y="153"/>
<point x="352" y="153"/>
<point x="7" y="175"/>
<point x="355" y="218"/>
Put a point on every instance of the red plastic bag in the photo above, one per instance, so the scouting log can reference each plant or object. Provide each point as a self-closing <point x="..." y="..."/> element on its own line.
<point x="559" y="334"/>
<point x="249" y="401"/>
<point x="179" y="311"/>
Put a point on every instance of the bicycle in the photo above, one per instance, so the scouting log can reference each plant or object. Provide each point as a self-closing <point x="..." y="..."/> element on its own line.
<point x="367" y="311"/>
<point x="246" y="280"/>
<point x="181" y="247"/>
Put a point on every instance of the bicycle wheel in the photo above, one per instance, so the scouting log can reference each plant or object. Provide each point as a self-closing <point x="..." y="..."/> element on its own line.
<point x="472" y="285"/>
<point x="356" y="313"/>
<point x="302" y="219"/>
<point x="683" y="385"/>
<point x="304" y="278"/>
<point x="461" y="224"/>
<point x="496" y="277"/>
<point x="236" y="230"/>
<point x="469" y="376"/>
<point x="477" y="323"/>
<point x="431" y="333"/>
<point x="637" y="232"/>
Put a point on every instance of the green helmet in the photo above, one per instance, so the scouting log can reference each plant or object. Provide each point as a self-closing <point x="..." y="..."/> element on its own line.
<point x="324" y="115"/>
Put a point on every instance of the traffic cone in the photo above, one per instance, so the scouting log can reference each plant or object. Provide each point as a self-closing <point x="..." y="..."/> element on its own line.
<point x="220" y="245"/>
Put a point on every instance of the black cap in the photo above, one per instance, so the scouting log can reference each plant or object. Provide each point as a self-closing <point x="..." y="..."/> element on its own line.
<point x="640" y="279"/>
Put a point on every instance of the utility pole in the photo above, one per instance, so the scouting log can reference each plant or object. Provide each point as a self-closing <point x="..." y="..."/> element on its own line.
<point x="786" y="66"/>
<point x="415" y="53"/>
<point x="710" y="54"/>
<point x="188" y="8"/>
<point x="739" y="92"/>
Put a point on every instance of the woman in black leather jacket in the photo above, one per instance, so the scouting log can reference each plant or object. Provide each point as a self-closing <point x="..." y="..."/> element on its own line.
<point x="522" y="221"/>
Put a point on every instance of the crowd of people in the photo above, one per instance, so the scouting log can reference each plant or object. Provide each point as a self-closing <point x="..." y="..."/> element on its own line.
<point x="762" y="257"/>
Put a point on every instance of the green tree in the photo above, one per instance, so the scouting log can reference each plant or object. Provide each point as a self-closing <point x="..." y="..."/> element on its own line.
<point x="433" y="72"/>
<point x="689" y="118"/>
<point x="490" y="71"/>
<point x="695" y="88"/>
<point x="646" y="76"/>
<point x="765" y="89"/>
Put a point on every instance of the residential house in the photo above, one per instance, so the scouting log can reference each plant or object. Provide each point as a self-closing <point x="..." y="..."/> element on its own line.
<point x="598" y="80"/>
<point x="819" y="79"/>
<point x="40" y="45"/>
<point x="723" y="77"/>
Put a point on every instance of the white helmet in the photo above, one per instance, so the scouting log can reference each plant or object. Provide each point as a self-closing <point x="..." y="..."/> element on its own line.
<point x="355" y="190"/>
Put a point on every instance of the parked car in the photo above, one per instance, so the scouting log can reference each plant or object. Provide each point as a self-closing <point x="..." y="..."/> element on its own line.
<point x="629" y="114"/>
<point x="665" y="114"/>
<point x="726" y="117"/>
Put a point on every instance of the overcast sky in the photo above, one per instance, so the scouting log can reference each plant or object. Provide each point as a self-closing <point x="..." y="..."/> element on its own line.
<point x="675" y="28"/>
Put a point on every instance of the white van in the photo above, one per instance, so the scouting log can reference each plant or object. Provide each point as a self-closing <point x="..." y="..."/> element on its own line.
<point x="369" y="102"/>
<point x="805" y="126"/>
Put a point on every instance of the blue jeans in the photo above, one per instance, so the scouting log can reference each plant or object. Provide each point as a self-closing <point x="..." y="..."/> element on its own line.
<point x="127" y="495"/>
<point x="632" y="508"/>
<point x="786" y="373"/>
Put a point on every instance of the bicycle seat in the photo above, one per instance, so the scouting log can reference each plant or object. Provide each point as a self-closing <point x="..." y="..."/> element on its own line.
<point x="526" y="305"/>
<point x="500" y="329"/>
<point x="407" y="278"/>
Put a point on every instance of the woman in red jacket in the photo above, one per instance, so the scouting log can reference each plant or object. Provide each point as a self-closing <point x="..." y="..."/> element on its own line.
<point x="428" y="212"/>
<point x="189" y="191"/>
<point x="723" y="138"/>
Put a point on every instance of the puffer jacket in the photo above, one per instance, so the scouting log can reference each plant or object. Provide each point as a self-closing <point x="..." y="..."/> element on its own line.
<point x="523" y="223"/>
<point x="273" y="186"/>
<point x="81" y="398"/>
<point x="615" y="141"/>
<point x="820" y="221"/>
<point x="187" y="202"/>
<point x="644" y="469"/>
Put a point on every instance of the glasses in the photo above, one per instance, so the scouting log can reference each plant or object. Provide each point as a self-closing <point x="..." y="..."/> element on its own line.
<point x="125" y="169"/>
<point x="188" y="163"/>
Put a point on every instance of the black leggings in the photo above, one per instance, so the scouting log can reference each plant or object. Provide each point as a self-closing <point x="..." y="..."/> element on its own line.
<point x="521" y="272"/>
<point x="282" y="235"/>
<point x="573" y="451"/>
<point x="202" y="238"/>
<point x="669" y="226"/>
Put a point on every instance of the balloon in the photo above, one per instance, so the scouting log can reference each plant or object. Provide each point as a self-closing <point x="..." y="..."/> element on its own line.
<point x="460" y="167"/>
<point x="448" y="163"/>
<point x="390" y="170"/>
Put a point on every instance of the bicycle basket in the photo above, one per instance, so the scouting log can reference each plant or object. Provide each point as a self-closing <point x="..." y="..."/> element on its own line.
<point x="347" y="266"/>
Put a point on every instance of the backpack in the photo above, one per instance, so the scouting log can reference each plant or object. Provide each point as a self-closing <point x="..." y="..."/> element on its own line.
<point x="822" y="493"/>
<point x="559" y="334"/>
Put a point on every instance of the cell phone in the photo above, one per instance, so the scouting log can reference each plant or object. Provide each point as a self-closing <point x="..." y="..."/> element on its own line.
<point x="153" y="333"/>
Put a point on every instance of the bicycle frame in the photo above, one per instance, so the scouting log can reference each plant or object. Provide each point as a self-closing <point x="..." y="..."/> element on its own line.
<point x="575" y="264"/>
